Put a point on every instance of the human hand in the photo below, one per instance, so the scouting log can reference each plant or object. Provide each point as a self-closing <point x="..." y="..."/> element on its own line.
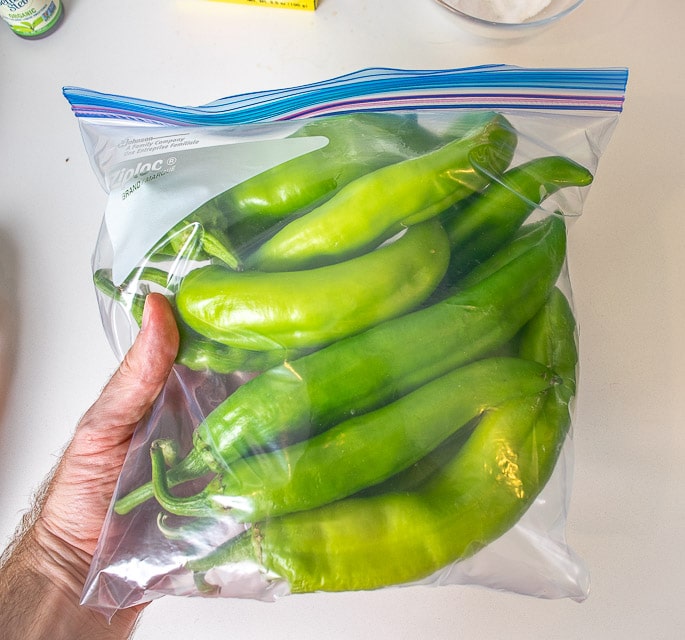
<point x="56" y="546"/>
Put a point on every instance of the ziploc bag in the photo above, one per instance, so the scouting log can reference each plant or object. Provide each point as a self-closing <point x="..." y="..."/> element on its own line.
<point x="378" y="354"/>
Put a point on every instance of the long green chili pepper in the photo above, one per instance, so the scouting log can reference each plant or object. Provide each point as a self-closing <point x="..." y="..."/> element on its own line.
<point x="537" y="339"/>
<point x="310" y="394"/>
<point x="306" y="309"/>
<point x="358" y="452"/>
<point x="524" y="237"/>
<point x="415" y="476"/>
<point x="197" y="352"/>
<point x="369" y="543"/>
<point x="382" y="202"/>
<point x="481" y="224"/>
<point x="373" y="542"/>
<point x="357" y="144"/>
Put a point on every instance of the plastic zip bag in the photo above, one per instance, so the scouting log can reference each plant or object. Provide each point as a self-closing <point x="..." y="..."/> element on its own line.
<point x="378" y="351"/>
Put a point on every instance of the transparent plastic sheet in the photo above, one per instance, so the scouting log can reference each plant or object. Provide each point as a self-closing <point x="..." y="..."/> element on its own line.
<point x="295" y="512"/>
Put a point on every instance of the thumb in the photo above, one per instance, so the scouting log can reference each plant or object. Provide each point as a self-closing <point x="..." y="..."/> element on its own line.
<point x="140" y="376"/>
<point x="76" y="501"/>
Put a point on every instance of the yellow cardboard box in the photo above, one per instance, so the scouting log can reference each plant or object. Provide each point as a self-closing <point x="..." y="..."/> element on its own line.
<point x="305" y="5"/>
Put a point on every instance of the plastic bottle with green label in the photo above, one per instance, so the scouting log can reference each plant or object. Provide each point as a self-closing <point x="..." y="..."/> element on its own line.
<point x="32" y="19"/>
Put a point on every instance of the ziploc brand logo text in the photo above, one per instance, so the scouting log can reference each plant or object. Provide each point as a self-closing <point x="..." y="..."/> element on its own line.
<point x="143" y="171"/>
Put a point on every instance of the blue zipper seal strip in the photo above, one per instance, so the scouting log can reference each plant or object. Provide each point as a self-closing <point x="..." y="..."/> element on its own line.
<point x="380" y="89"/>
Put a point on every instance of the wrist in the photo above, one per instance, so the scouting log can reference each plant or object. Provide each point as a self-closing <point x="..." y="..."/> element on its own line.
<point x="40" y="589"/>
<point x="65" y="566"/>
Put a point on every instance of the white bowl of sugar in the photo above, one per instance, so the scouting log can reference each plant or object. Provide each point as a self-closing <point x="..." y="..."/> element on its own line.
<point x="509" y="18"/>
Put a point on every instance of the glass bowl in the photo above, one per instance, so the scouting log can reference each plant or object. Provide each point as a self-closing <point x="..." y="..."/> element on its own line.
<point x="509" y="18"/>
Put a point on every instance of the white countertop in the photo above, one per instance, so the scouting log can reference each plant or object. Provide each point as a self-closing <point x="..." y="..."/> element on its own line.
<point x="627" y="257"/>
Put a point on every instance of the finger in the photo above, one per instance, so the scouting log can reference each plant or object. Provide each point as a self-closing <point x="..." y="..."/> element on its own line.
<point x="142" y="373"/>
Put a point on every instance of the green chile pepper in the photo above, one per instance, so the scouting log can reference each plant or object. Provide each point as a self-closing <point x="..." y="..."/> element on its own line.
<point x="357" y="143"/>
<point x="358" y="452"/>
<point x="305" y="396"/>
<point x="538" y="339"/>
<point x="196" y="351"/>
<point x="199" y="353"/>
<point x="369" y="543"/>
<point x="382" y="202"/>
<point x="365" y="371"/>
<point x="413" y="477"/>
<point x="373" y="542"/>
<point x="524" y="237"/>
<point x="483" y="223"/>
<point x="306" y="309"/>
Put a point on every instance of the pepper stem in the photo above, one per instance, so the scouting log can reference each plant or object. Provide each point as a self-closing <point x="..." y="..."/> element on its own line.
<point x="237" y="549"/>
<point x="218" y="246"/>
<point x="134" y="302"/>
<point x="191" y="467"/>
<point x="195" y="505"/>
